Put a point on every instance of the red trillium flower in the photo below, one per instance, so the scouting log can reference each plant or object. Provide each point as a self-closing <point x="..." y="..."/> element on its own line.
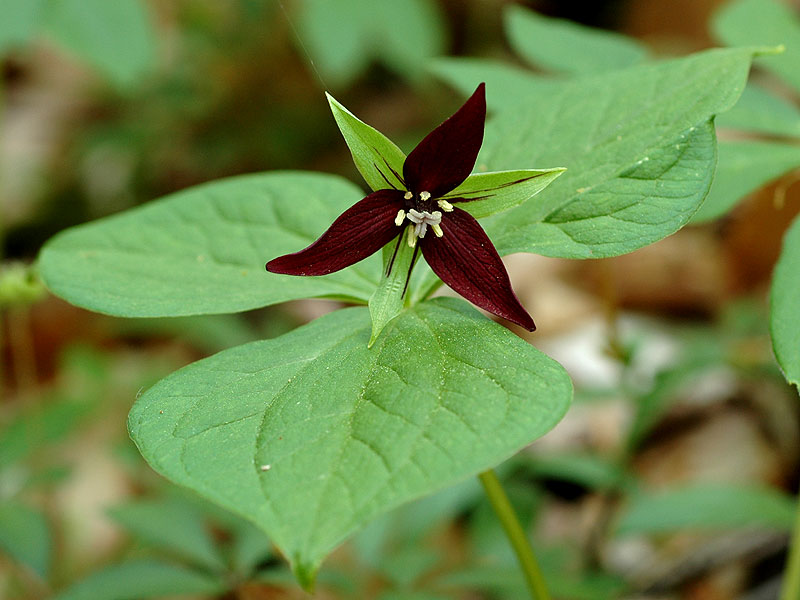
<point x="452" y="242"/>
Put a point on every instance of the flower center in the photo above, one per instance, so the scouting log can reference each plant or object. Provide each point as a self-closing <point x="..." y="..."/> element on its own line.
<point x="421" y="220"/>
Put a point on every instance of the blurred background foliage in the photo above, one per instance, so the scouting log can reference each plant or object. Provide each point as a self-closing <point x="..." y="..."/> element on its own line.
<point x="670" y="478"/>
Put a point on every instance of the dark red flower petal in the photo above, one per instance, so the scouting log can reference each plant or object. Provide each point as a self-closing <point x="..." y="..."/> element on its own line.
<point x="466" y="260"/>
<point x="361" y="230"/>
<point x="446" y="156"/>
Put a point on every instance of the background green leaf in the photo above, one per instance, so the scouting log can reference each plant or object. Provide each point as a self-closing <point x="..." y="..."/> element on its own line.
<point x="203" y="250"/>
<point x="566" y="47"/>
<point x="763" y="112"/>
<point x="20" y="22"/>
<point x="506" y="85"/>
<point x="785" y="306"/>
<point x="763" y="22"/>
<point x="25" y="536"/>
<point x="743" y="167"/>
<point x="115" y="37"/>
<point x="707" y="507"/>
<point x="173" y="526"/>
<point x="424" y="408"/>
<point x="139" y="579"/>
<point x="341" y="37"/>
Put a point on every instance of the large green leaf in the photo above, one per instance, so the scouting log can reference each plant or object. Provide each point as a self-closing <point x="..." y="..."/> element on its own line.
<point x="638" y="145"/>
<point x="341" y="37"/>
<point x="115" y="37"/>
<point x="785" y="306"/>
<point x="707" y="506"/>
<point x="25" y="536"/>
<point x="760" y="22"/>
<point x="140" y="579"/>
<point x="567" y="47"/>
<point x="312" y="434"/>
<point x="743" y="168"/>
<point x="652" y="198"/>
<point x="203" y="250"/>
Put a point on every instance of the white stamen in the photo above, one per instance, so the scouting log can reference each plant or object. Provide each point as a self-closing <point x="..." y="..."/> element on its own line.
<point x="445" y="205"/>
<point x="408" y="195"/>
<point x="421" y="221"/>
<point x="401" y="215"/>
<point x="415" y="216"/>
<point x="424" y="196"/>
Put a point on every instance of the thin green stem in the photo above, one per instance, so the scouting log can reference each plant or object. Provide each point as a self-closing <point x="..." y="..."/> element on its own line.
<point x="791" y="578"/>
<point x="516" y="535"/>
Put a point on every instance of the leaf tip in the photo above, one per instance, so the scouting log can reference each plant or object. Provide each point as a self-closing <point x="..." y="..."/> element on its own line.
<point x="769" y="50"/>
<point x="306" y="575"/>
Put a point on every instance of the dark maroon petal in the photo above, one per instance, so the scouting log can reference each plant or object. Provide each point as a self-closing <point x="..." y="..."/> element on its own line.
<point x="361" y="230"/>
<point x="465" y="259"/>
<point x="447" y="155"/>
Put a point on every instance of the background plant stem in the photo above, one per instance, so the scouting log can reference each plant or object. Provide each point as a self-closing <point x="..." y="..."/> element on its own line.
<point x="791" y="579"/>
<point x="516" y="535"/>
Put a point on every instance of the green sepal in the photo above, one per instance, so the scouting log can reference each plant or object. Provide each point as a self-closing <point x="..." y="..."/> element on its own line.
<point x="387" y="301"/>
<point x="495" y="192"/>
<point x="377" y="158"/>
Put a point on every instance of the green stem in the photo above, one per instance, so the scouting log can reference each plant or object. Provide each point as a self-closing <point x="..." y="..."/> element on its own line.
<point x="791" y="580"/>
<point x="516" y="535"/>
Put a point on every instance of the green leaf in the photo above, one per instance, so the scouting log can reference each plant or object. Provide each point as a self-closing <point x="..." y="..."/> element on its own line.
<point x="20" y="22"/>
<point x="707" y="507"/>
<point x="506" y="85"/>
<point x="173" y="526"/>
<point x="642" y="204"/>
<point x="584" y="469"/>
<point x="761" y="111"/>
<point x="311" y="435"/>
<point x="203" y="250"/>
<point x="498" y="191"/>
<point x="136" y="580"/>
<point x="25" y="536"/>
<point x="639" y="147"/>
<point x="785" y="306"/>
<point x="744" y="167"/>
<point x="342" y="37"/>
<point x="377" y="158"/>
<point x="763" y="22"/>
<point x="566" y="47"/>
<point x="115" y="37"/>
<point x="37" y="427"/>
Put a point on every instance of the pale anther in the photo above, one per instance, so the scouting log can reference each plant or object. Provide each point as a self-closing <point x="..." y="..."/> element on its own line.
<point x="437" y="229"/>
<point x="398" y="220"/>
<point x="445" y="205"/>
<point x="408" y="195"/>
<point x="424" y="196"/>
<point x="412" y="239"/>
